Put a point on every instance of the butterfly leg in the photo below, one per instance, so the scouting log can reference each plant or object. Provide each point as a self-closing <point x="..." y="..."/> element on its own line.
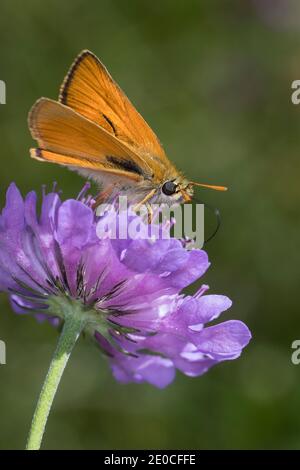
<point x="145" y="200"/>
<point x="150" y="213"/>
<point x="147" y="204"/>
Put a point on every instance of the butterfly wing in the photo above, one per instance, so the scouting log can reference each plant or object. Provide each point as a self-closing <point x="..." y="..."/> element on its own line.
<point x="68" y="138"/>
<point x="90" y="90"/>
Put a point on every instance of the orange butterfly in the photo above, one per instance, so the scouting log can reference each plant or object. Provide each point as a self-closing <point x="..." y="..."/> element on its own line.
<point x="94" y="129"/>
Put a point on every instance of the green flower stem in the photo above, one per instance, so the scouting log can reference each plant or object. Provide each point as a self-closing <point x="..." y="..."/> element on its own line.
<point x="72" y="328"/>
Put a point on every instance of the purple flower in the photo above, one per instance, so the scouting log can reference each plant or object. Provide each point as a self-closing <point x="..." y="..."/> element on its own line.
<point x="128" y="289"/>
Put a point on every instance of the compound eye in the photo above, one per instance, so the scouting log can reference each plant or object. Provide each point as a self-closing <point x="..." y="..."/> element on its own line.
<point x="169" y="188"/>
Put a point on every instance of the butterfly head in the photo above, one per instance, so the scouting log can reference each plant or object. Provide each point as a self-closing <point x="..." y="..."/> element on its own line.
<point x="181" y="190"/>
<point x="177" y="190"/>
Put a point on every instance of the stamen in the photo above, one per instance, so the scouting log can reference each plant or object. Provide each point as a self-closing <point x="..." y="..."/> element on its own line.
<point x="201" y="291"/>
<point x="83" y="191"/>
<point x="89" y="200"/>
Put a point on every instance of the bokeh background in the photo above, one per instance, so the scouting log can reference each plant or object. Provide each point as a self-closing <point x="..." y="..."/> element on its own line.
<point x="213" y="79"/>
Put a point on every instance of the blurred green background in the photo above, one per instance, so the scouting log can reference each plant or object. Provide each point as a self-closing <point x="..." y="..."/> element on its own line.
<point x="213" y="79"/>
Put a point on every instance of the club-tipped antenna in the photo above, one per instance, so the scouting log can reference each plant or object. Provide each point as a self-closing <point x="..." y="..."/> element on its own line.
<point x="209" y="186"/>
<point x="216" y="212"/>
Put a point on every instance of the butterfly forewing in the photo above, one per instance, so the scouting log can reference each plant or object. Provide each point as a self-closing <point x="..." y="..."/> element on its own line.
<point x="90" y="90"/>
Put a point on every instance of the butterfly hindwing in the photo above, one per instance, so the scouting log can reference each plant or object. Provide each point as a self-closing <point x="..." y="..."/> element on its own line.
<point x="66" y="137"/>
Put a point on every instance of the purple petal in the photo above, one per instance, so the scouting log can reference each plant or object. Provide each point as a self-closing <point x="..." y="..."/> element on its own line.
<point x="74" y="224"/>
<point x="102" y="267"/>
<point x="194" y="368"/>
<point x="30" y="210"/>
<point x="202" y="310"/>
<point x="50" y="206"/>
<point x="23" y="306"/>
<point x="195" y="266"/>
<point x="143" y="255"/>
<point x="155" y="370"/>
<point x="146" y="313"/>
<point x="12" y="217"/>
<point x="226" y="339"/>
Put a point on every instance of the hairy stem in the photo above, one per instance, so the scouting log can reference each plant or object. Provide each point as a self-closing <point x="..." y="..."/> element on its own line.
<point x="72" y="328"/>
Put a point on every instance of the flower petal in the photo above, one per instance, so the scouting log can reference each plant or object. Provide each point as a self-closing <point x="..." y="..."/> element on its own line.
<point x="74" y="224"/>
<point x="155" y="370"/>
<point x="203" y="309"/>
<point x="12" y="217"/>
<point x="194" y="267"/>
<point x="226" y="339"/>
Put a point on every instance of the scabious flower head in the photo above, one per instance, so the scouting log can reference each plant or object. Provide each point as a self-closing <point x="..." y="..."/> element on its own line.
<point x="129" y="290"/>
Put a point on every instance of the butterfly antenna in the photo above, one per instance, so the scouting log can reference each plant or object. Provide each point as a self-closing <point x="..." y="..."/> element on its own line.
<point x="210" y="186"/>
<point x="217" y="214"/>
